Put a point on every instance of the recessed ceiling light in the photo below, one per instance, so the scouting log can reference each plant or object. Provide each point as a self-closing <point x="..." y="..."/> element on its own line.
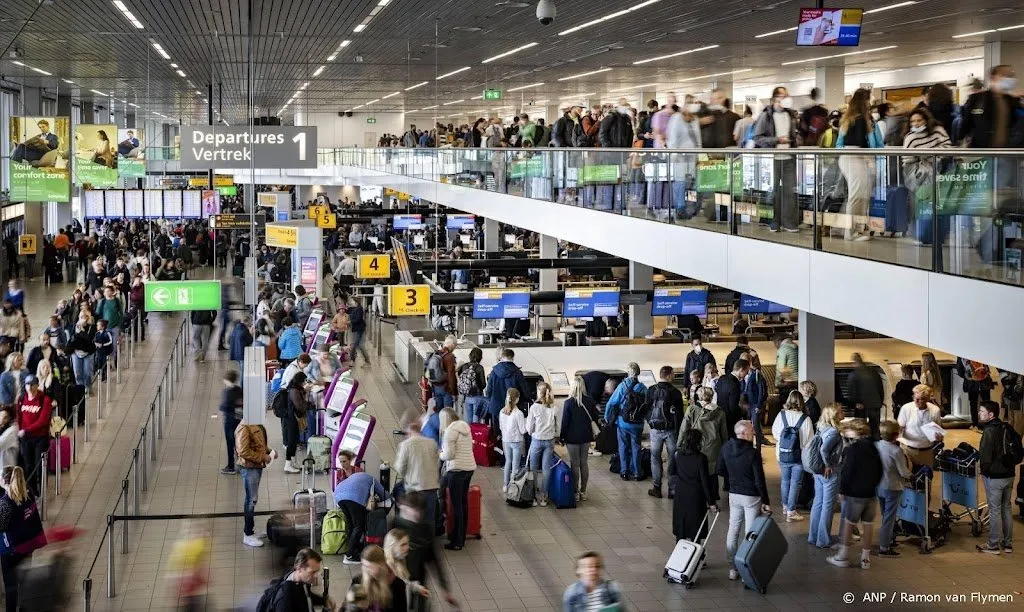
<point x="524" y="87"/>
<point x="373" y="101"/>
<point x="344" y="44"/>
<point x="416" y="86"/>
<point x="319" y="71"/>
<point x="173" y="65"/>
<point x="99" y="93"/>
<point x="609" y="16"/>
<point x="814" y="59"/>
<point x="68" y="82"/>
<point x="429" y="107"/>
<point x="687" y="52"/>
<point x="180" y="73"/>
<point x="477" y="98"/>
<point x="584" y="74"/>
<point x="359" y="28"/>
<point x="391" y="95"/>
<point x="890" y="7"/>
<point x="453" y="102"/>
<point x="507" y="53"/>
<point x="128" y="14"/>
<point x="159" y="49"/>
<point x="453" y="72"/>
<point x="974" y="33"/>
<point x="332" y="57"/>
<point x="783" y="31"/>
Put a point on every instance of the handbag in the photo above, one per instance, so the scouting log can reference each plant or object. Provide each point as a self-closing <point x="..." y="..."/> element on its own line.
<point x="57" y="426"/>
<point x="30" y="522"/>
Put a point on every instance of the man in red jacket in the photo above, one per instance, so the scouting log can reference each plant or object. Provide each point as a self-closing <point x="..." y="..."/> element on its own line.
<point x="34" y="424"/>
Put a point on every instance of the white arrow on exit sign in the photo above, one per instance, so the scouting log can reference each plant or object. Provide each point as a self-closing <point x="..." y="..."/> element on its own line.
<point x="161" y="296"/>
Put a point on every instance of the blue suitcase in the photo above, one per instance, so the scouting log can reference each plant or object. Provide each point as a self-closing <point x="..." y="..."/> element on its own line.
<point x="560" y="489"/>
<point x="760" y="553"/>
<point x="897" y="210"/>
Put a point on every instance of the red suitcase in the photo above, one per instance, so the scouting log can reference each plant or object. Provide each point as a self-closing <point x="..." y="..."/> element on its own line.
<point x="65" y="455"/>
<point x="473" y="526"/>
<point x="271" y="367"/>
<point x="484" y="451"/>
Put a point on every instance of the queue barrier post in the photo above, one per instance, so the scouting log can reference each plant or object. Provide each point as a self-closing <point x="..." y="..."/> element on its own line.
<point x="74" y="434"/>
<point x="87" y="594"/>
<point x="42" y="486"/>
<point x="56" y="471"/>
<point x="110" y="554"/>
<point x="159" y="420"/>
<point x="117" y="360"/>
<point x="85" y="411"/>
<point x="106" y="381"/>
<point x="124" y="510"/>
<point x="145" y="475"/>
<point x="136" y="474"/>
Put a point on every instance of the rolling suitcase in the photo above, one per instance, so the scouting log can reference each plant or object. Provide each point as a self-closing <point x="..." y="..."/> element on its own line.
<point x="473" y="526"/>
<point x="688" y="558"/>
<point x="607" y="441"/>
<point x="318" y="448"/>
<point x="484" y="451"/>
<point x="560" y="489"/>
<point x="760" y="553"/>
<point x="65" y="454"/>
<point x="521" y="490"/>
<point x="308" y="495"/>
<point x="897" y="210"/>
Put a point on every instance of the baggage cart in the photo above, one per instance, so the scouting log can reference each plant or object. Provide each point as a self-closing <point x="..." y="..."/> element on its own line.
<point x="960" y="485"/>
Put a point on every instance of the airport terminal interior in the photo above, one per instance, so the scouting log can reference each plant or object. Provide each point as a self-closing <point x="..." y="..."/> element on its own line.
<point x="306" y="234"/>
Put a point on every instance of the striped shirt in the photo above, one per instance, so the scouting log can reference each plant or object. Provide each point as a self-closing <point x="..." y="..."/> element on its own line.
<point x="923" y="140"/>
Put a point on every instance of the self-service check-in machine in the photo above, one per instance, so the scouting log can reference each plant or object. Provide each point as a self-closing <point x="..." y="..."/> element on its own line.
<point x="337" y="401"/>
<point x="312" y="328"/>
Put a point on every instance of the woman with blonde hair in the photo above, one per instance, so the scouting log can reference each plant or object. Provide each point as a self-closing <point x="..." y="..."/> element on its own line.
<point x="577" y="432"/>
<point x="857" y="130"/>
<point x="542" y="425"/>
<point x="21" y="526"/>
<point x="371" y="588"/>
<point x="512" y="423"/>
<point x="789" y="450"/>
<point x="457" y="453"/>
<point x="931" y="377"/>
<point x="826" y="484"/>
<point x="12" y="381"/>
<point x="403" y="589"/>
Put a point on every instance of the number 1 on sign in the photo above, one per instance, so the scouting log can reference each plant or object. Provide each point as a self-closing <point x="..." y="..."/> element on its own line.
<point x="301" y="139"/>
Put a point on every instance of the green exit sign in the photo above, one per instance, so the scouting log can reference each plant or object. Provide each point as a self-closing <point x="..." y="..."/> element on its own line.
<point x="371" y="120"/>
<point x="492" y="94"/>
<point x="168" y="296"/>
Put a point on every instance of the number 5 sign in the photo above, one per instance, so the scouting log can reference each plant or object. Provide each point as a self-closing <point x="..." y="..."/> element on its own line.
<point x="374" y="266"/>
<point x="408" y="300"/>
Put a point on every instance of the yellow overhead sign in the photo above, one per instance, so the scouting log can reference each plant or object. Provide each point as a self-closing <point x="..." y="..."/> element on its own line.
<point x="327" y="221"/>
<point x="218" y="181"/>
<point x="27" y="244"/>
<point x="408" y="300"/>
<point x="279" y="236"/>
<point x="374" y="266"/>
<point x="317" y="211"/>
<point x="396" y="194"/>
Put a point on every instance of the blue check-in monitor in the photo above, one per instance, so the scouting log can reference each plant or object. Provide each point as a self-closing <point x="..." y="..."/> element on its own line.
<point x="501" y="303"/>
<point x="676" y="301"/>
<point x="750" y="304"/>
<point x="408" y="222"/>
<point x="460" y="222"/>
<point x="591" y="302"/>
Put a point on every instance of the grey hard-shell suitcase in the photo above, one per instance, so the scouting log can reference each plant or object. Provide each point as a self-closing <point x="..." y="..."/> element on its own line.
<point x="760" y="553"/>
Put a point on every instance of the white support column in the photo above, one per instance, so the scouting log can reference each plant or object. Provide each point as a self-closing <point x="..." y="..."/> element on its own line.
<point x="1002" y="52"/>
<point x="492" y="236"/>
<point x="641" y="323"/>
<point x="817" y="355"/>
<point x="831" y="80"/>
<point x="548" y="282"/>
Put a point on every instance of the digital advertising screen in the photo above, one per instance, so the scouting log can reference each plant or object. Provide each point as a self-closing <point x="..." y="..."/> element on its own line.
<point x="113" y="202"/>
<point x="829" y="27"/>
<point x="211" y="203"/>
<point x="172" y="203"/>
<point x="501" y="304"/>
<point x="460" y="222"/>
<point x="408" y="222"/>
<point x="95" y="155"/>
<point x="94" y="204"/>
<point x="750" y="304"/>
<point x="230" y="191"/>
<point x="191" y="204"/>
<point x="591" y="302"/>
<point x="154" y="203"/>
<point x="669" y="301"/>
<point x="131" y="153"/>
<point x="134" y="204"/>
<point x="40" y="164"/>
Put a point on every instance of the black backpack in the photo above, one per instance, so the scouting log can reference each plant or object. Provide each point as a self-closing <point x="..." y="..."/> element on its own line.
<point x="280" y="404"/>
<point x="1009" y="449"/>
<point x="659" y="419"/>
<point x="634" y="404"/>
<point x="266" y="603"/>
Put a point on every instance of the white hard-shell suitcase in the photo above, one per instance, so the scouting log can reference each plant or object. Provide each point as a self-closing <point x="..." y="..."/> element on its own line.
<point x="687" y="559"/>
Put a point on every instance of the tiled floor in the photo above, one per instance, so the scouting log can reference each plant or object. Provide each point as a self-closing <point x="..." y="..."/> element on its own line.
<point x="524" y="560"/>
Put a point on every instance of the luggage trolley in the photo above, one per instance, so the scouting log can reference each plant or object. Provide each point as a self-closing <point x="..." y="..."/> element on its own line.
<point x="914" y="519"/>
<point x="960" y="471"/>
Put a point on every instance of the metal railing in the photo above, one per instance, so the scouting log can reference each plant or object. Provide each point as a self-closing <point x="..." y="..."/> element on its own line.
<point x="970" y="201"/>
<point x="144" y="452"/>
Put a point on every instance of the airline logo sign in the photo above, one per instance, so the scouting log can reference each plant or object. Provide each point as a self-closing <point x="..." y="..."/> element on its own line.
<point x="205" y="147"/>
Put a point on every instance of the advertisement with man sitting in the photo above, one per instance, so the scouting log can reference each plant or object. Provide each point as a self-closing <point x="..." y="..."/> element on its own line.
<point x="40" y="159"/>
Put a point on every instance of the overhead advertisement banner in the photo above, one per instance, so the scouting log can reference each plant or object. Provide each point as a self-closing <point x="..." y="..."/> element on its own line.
<point x="205" y="147"/>
<point x="40" y="159"/>
<point x="95" y="155"/>
<point x="131" y="153"/>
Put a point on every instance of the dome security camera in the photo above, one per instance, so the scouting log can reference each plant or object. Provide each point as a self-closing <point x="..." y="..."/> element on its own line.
<point x="546" y="12"/>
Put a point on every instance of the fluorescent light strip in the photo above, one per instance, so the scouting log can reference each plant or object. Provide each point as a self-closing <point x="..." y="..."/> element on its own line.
<point x="304" y="85"/>
<point x="477" y="98"/>
<point x="360" y="106"/>
<point x="815" y="59"/>
<point x="661" y="57"/>
<point x="577" y="96"/>
<point x="391" y="95"/>
<point x="717" y="74"/>
<point x="99" y="93"/>
<point x="344" y="44"/>
<point x="180" y="73"/>
<point x="634" y="87"/>
<point x="507" y="53"/>
<point x="580" y="76"/>
<point x="359" y="28"/>
<point x="332" y="57"/>
<point x="68" y="82"/>
<point x="890" y="7"/>
<point x="373" y="102"/>
<point x="453" y="102"/>
<point x="974" y="33"/>
<point x="417" y="85"/>
<point x="767" y="34"/>
<point x="522" y="87"/>
<point x="319" y="71"/>
<point x="1016" y="27"/>
<point x="953" y="61"/>
<point x="159" y="49"/>
<point x="428" y="107"/>
<point x="453" y="72"/>
<point x="609" y="16"/>
<point x="128" y="14"/>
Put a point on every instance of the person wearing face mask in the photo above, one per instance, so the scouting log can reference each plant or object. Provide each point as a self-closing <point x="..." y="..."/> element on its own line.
<point x="697" y="359"/>
<point x="989" y="117"/>
<point x="660" y="119"/>
<point x="923" y="132"/>
<point x="776" y="128"/>
<point x="716" y="122"/>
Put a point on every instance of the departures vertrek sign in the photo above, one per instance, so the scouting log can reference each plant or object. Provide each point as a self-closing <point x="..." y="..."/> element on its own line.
<point x="206" y="147"/>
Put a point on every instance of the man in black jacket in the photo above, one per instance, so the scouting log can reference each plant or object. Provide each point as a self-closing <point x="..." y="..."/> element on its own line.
<point x="997" y="470"/>
<point x="665" y="404"/>
<point x="867" y="393"/>
<point x="742" y="346"/>
<point x="989" y="117"/>
<point x="730" y="392"/>
<point x="858" y="482"/>
<point x="617" y="128"/>
<point x="742" y="471"/>
<point x="568" y="130"/>
<point x="294" y="593"/>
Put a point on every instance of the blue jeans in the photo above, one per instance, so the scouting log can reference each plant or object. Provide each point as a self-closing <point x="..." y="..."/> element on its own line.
<point x="889" y="502"/>
<point x="474" y="404"/>
<point x="442" y="398"/>
<point x="826" y="490"/>
<point x="999" y="494"/>
<point x="659" y="438"/>
<point x="792" y="473"/>
<point x="542" y="459"/>
<point x="513" y="459"/>
<point x="83" y="369"/>
<point x="357" y="346"/>
<point x="251" y="482"/>
<point x="629" y="451"/>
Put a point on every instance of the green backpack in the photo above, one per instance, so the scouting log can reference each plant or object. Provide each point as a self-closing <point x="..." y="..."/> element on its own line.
<point x="334" y="534"/>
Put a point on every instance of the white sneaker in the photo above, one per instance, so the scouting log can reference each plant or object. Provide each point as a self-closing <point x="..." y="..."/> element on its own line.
<point x="252" y="540"/>
<point x="733" y="574"/>
<point x="504" y="488"/>
<point x="865" y="564"/>
<point x="862" y="238"/>
<point x="793" y="517"/>
<point x="535" y="503"/>
<point x="544" y="502"/>
<point x="583" y="496"/>
<point x="838" y="561"/>
<point x="577" y="497"/>
<point x="290" y="469"/>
